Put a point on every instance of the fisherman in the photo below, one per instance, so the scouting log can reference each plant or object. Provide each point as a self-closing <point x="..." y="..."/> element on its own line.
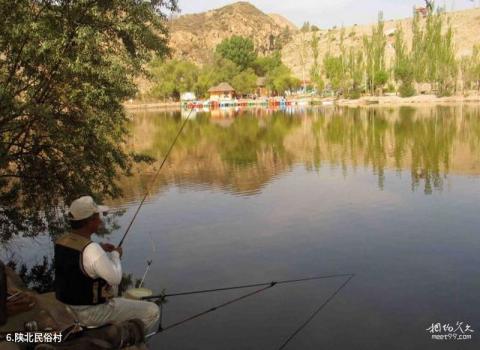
<point x="87" y="273"/>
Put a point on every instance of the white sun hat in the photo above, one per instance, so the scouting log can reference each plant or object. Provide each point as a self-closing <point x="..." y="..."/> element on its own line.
<point x="84" y="207"/>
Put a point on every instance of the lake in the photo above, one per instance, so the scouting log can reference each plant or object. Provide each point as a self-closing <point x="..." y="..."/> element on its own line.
<point x="389" y="194"/>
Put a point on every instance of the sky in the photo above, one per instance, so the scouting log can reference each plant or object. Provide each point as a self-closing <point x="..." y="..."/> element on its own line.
<point x="327" y="14"/>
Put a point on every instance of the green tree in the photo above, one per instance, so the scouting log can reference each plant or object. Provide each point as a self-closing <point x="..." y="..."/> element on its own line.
<point x="374" y="48"/>
<point x="418" y="54"/>
<point x="355" y="70"/>
<point x="302" y="46"/>
<point x="265" y="64"/>
<point x="315" y="73"/>
<point x="470" y="67"/>
<point x="173" y="78"/>
<point x="245" y="82"/>
<point x="217" y="71"/>
<point x="448" y="66"/>
<point x="433" y="52"/>
<point x="281" y="80"/>
<point x="65" y="68"/>
<point x="333" y="67"/>
<point x="239" y="50"/>
<point x="403" y="66"/>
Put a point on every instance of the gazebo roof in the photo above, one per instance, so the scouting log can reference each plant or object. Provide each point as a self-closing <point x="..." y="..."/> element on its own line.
<point x="222" y="87"/>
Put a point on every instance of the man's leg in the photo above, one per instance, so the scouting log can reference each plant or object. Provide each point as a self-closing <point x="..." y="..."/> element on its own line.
<point x="118" y="310"/>
<point x="148" y="312"/>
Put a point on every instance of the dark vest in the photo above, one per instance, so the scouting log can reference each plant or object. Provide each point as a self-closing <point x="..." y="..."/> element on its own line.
<point x="72" y="284"/>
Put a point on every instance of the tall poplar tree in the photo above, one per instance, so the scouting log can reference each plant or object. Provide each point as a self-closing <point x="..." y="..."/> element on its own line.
<point x="374" y="47"/>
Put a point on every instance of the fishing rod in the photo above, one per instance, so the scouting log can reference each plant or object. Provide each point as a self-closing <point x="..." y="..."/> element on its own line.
<point x="244" y="286"/>
<point x="149" y="262"/>
<point x="215" y="308"/>
<point x="155" y="177"/>
<point x="265" y="286"/>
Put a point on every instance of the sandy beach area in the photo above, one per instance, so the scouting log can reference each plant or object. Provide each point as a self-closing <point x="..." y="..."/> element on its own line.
<point x="408" y="101"/>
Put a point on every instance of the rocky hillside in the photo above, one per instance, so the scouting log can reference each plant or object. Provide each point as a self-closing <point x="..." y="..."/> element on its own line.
<point x="194" y="37"/>
<point x="466" y="26"/>
<point x="283" y="22"/>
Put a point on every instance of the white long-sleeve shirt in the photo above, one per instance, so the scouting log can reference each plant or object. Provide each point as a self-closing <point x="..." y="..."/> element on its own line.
<point x="99" y="264"/>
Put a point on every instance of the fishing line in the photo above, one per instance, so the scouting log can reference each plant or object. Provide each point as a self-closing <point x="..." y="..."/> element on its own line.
<point x="159" y="296"/>
<point x="265" y="286"/>
<point x="155" y="177"/>
<point x="315" y="313"/>
<point x="215" y="308"/>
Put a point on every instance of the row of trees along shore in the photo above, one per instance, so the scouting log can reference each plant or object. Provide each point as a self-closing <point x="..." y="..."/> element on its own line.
<point x="429" y="58"/>
<point x="234" y="61"/>
<point x="344" y="70"/>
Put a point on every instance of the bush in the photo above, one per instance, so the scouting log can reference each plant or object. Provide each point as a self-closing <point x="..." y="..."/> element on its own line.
<point x="391" y="88"/>
<point x="380" y="78"/>
<point x="445" y="90"/>
<point x="407" y="90"/>
<point x="354" y="94"/>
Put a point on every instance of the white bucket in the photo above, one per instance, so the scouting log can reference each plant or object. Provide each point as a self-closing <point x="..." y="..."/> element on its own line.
<point x="138" y="293"/>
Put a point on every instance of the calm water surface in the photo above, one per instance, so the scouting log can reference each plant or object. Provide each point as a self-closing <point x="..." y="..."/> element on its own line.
<point x="388" y="194"/>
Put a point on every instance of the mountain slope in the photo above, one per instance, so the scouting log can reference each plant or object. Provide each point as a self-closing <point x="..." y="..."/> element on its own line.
<point x="194" y="37"/>
<point x="283" y="21"/>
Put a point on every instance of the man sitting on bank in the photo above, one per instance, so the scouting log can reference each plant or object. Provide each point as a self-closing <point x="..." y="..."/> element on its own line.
<point x="86" y="273"/>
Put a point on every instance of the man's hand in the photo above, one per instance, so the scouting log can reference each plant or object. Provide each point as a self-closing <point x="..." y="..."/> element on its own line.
<point x="111" y="248"/>
<point x="119" y="250"/>
<point x="107" y="247"/>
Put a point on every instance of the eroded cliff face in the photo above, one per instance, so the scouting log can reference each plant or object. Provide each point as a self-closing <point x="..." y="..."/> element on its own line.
<point x="194" y="37"/>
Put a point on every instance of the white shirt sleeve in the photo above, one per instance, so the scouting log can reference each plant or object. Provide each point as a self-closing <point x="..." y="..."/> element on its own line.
<point x="98" y="264"/>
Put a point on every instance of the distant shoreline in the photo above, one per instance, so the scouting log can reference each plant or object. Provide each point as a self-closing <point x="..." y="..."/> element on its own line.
<point x="151" y="105"/>
<point x="363" y="101"/>
<point x="406" y="101"/>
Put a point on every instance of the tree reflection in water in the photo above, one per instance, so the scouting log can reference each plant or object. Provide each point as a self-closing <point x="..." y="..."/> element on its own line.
<point x="244" y="151"/>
